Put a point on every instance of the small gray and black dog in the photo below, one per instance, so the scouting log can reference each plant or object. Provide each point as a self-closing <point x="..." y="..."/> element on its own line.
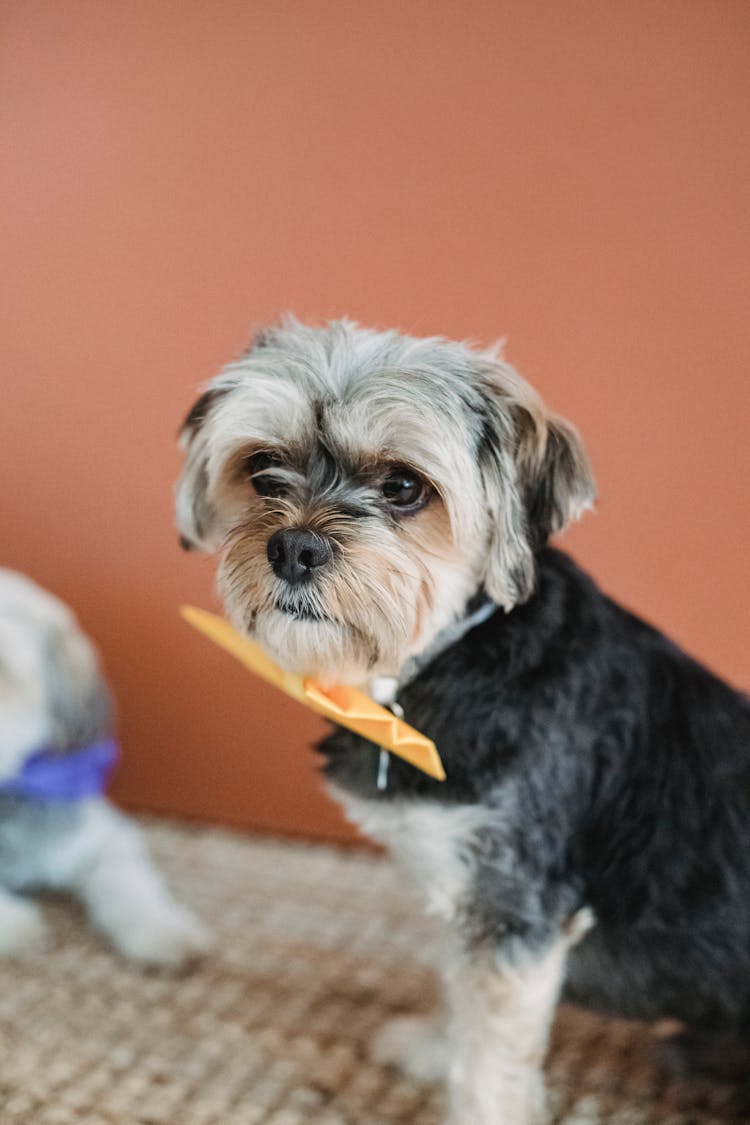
<point x="57" y="832"/>
<point x="382" y="506"/>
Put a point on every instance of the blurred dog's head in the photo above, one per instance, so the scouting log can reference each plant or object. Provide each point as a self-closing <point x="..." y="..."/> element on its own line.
<point x="362" y="486"/>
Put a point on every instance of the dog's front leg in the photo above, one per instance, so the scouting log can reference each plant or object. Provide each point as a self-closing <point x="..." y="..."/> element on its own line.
<point x="501" y="1013"/>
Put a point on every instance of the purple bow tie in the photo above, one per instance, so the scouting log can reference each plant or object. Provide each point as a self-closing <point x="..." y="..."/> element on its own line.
<point x="49" y="775"/>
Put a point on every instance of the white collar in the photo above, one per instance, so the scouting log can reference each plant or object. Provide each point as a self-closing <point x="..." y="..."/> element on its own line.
<point x="384" y="689"/>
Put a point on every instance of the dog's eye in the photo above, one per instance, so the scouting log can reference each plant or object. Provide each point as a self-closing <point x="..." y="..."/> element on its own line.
<point x="404" y="489"/>
<point x="259" y="467"/>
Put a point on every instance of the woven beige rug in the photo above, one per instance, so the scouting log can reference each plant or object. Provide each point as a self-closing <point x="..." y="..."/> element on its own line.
<point x="317" y="947"/>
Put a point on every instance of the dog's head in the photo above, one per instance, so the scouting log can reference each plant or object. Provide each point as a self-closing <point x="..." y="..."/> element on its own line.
<point x="362" y="486"/>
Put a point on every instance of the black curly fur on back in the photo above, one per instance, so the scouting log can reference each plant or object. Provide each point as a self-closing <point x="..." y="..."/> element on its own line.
<point x="615" y="771"/>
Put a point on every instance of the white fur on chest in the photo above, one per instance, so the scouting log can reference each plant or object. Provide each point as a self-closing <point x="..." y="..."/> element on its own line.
<point x="435" y="844"/>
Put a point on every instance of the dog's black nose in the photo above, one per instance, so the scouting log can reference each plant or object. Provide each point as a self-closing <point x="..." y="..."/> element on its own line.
<point x="296" y="553"/>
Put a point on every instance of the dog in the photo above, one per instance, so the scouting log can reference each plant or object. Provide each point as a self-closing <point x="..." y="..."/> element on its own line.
<point x="382" y="507"/>
<point x="56" y="829"/>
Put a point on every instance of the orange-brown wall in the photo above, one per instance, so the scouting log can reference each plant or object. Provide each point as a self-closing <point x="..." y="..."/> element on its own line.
<point x="573" y="175"/>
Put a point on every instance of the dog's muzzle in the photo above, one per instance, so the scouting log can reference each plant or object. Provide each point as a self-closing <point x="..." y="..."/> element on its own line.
<point x="296" y="554"/>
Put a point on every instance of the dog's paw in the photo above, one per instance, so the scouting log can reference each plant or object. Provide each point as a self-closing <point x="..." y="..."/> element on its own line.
<point x="166" y="936"/>
<point x="23" y="930"/>
<point x="416" y="1045"/>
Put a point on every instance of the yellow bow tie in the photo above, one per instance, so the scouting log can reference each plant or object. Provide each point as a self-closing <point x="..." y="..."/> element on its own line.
<point x="343" y="705"/>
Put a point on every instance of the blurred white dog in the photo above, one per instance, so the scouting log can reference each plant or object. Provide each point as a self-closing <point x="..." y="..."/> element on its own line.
<point x="56" y="829"/>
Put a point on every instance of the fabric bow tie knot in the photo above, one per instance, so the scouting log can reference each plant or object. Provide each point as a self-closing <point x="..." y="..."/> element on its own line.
<point x="344" y="705"/>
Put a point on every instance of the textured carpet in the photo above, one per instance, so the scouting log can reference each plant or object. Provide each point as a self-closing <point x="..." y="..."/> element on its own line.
<point x="316" y="948"/>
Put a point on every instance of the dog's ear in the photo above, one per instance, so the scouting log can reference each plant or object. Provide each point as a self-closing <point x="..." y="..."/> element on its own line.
<point x="196" y="514"/>
<point x="554" y="473"/>
<point x="537" y="479"/>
